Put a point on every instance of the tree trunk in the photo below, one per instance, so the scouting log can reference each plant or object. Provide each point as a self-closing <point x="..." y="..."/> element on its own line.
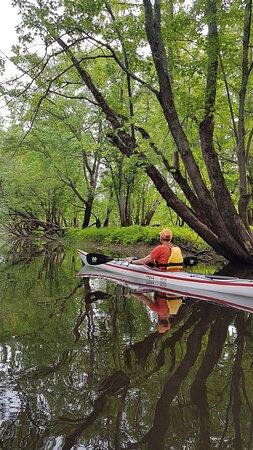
<point x="109" y="208"/>
<point x="87" y="211"/>
<point x="150" y="213"/>
<point x="241" y="148"/>
<point x="221" y="227"/>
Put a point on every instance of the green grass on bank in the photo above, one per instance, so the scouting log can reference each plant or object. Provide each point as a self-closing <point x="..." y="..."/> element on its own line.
<point x="134" y="235"/>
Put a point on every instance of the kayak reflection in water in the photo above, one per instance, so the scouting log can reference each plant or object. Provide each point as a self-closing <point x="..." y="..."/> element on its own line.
<point x="165" y="256"/>
<point x="164" y="305"/>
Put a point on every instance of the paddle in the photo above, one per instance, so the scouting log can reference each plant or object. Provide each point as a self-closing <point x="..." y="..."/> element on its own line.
<point x="94" y="259"/>
<point x="190" y="261"/>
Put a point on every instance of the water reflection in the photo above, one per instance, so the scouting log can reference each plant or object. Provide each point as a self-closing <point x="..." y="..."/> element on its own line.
<point x="240" y="302"/>
<point x="163" y="304"/>
<point x="83" y="365"/>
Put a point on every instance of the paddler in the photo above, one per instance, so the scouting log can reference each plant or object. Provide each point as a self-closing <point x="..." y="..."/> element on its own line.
<point x="164" y="305"/>
<point x="161" y="255"/>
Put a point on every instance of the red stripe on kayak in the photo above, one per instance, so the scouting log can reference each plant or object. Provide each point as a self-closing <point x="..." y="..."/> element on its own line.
<point x="191" y="279"/>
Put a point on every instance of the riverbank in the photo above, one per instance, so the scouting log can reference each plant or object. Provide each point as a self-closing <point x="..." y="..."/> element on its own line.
<point x="135" y="234"/>
<point x="116" y="242"/>
<point x="137" y="240"/>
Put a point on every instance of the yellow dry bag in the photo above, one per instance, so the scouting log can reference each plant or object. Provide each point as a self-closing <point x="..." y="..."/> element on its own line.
<point x="175" y="260"/>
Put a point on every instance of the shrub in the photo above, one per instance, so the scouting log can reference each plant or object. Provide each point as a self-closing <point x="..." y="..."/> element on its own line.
<point x="133" y="235"/>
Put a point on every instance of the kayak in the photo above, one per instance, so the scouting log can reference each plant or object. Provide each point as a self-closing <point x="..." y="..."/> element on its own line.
<point x="242" y="303"/>
<point x="175" y="280"/>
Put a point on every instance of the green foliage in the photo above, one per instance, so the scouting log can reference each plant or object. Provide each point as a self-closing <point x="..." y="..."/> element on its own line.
<point x="60" y="113"/>
<point x="133" y="235"/>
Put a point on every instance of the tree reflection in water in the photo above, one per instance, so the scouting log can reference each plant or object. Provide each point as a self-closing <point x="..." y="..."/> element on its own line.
<point x="83" y="366"/>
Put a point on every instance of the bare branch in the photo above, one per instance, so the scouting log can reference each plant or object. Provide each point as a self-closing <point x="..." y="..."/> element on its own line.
<point x="121" y="65"/>
<point x="229" y="99"/>
<point x="36" y="111"/>
<point x="74" y="97"/>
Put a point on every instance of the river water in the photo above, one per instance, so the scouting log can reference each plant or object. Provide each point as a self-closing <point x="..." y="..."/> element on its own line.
<point x="84" y="366"/>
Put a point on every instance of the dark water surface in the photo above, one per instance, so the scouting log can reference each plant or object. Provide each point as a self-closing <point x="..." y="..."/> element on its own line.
<point x="82" y="366"/>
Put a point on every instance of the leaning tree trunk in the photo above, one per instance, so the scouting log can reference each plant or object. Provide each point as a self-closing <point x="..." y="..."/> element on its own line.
<point x="206" y="204"/>
<point x="220" y="211"/>
<point x="211" y="213"/>
<point x="214" y="229"/>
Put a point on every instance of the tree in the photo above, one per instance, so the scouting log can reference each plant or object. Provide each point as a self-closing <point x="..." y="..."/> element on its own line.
<point x="89" y="37"/>
<point x="31" y="197"/>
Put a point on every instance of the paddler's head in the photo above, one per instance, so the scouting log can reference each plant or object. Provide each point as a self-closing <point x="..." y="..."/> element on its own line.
<point x="163" y="326"/>
<point x="165" y="235"/>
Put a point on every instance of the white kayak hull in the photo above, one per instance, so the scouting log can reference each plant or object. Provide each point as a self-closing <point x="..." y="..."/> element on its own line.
<point x="183" y="281"/>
